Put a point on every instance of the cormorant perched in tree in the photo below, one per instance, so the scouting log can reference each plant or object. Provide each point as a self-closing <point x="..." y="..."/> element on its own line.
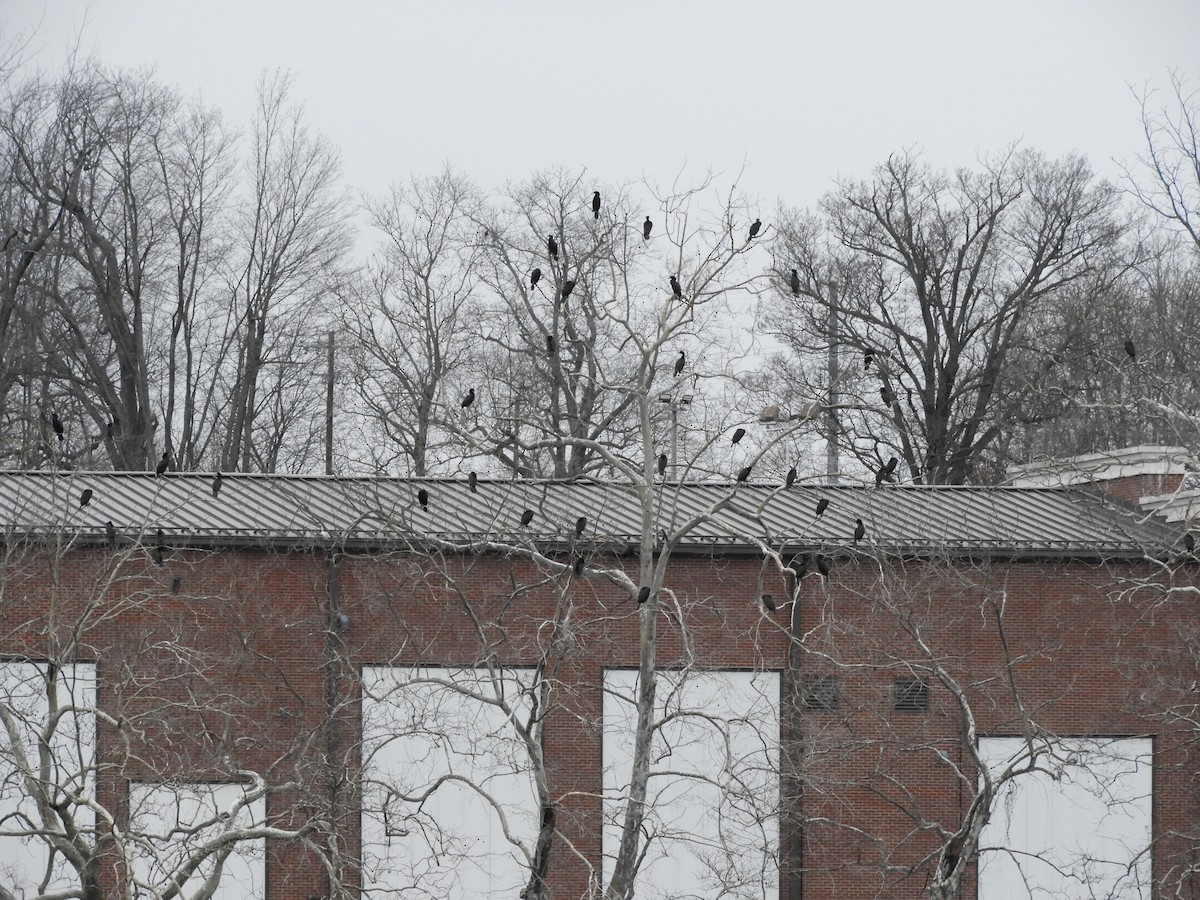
<point x="868" y="358"/>
<point x="744" y="474"/>
<point x="791" y="476"/>
<point x="1189" y="543"/>
<point x="526" y="518"/>
<point x="111" y="531"/>
<point x="662" y="463"/>
<point x="822" y="505"/>
<point x="176" y="584"/>
<point x="216" y="485"/>
<point x="551" y="345"/>
<point x="423" y="498"/>
<point x="891" y="466"/>
<point x="57" y="425"/>
<point x="800" y="566"/>
<point x="823" y="566"/>
<point x="568" y="286"/>
<point x="680" y="363"/>
<point x="794" y="282"/>
<point x="161" y="549"/>
<point x="647" y="227"/>
<point x="468" y="398"/>
<point x="163" y="464"/>
<point x="595" y="204"/>
<point x="1131" y="350"/>
<point x="473" y="482"/>
<point x="578" y="570"/>
<point x="643" y="595"/>
<point x="534" y="277"/>
<point x="85" y="498"/>
<point x="552" y="246"/>
<point x="885" y="393"/>
<point x="676" y="289"/>
<point x="159" y="556"/>
<point x="580" y="525"/>
<point x="755" y="228"/>
<point x="769" y="602"/>
<point x="860" y="530"/>
<point x="739" y="434"/>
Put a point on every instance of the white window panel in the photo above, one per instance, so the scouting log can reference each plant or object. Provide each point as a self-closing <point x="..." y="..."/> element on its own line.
<point x="445" y="772"/>
<point x="1077" y="827"/>
<point x="713" y="799"/>
<point x="27" y="690"/>
<point x="171" y="824"/>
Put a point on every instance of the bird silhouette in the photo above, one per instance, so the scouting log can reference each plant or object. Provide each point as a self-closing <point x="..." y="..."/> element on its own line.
<point x="755" y="228"/>
<point x="799" y="566"/>
<point x="423" y="498"/>
<point x="647" y="227"/>
<point x="1131" y="350"/>
<point x="1189" y="543"/>
<point x="823" y="566"/>
<point x="662" y="463"/>
<point x="526" y="518"/>
<point x="794" y="282"/>
<point x="868" y="358"/>
<point x="85" y="498"/>
<point x="568" y="286"/>
<point x="822" y="505"/>
<point x="580" y="525"/>
<point x="159" y="556"/>
<point x="216" y="485"/>
<point x="176" y="584"/>
<point x="890" y="468"/>
<point x="860" y="530"/>
<point x="163" y="464"/>
<point x="676" y="289"/>
<point x="473" y="482"/>
<point x="769" y="602"/>
<point x="595" y="204"/>
<point x="885" y="394"/>
<point x="791" y="476"/>
<point x="643" y="595"/>
<point x="534" y="277"/>
<point x="551" y="345"/>
<point x="552" y="246"/>
<point x="738" y="435"/>
<point x="468" y="398"/>
<point x="680" y="363"/>
<point x="57" y="425"/>
<point x="110" y="531"/>
<point x="744" y="475"/>
<point x="161" y="549"/>
<point x="578" y="569"/>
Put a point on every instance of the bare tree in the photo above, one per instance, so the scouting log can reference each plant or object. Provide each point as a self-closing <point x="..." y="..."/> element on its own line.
<point x="1168" y="178"/>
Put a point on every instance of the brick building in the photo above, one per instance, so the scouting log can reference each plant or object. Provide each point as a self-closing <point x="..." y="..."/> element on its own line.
<point x="420" y="689"/>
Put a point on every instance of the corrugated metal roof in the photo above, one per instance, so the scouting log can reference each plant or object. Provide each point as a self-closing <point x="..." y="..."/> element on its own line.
<point x="281" y="510"/>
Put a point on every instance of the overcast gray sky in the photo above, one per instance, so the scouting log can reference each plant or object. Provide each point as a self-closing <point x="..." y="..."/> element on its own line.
<point x="795" y="93"/>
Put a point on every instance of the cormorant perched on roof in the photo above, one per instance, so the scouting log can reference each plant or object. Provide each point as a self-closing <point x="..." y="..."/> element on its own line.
<point x="216" y="485"/>
<point x="822" y="505"/>
<point x="552" y="246"/>
<point x="647" y="227"/>
<point x="860" y="530"/>
<point x="534" y="277"/>
<point x="473" y="482"/>
<point x="755" y="228"/>
<point x="423" y="498"/>
<point x="580" y="525"/>
<point x="595" y="204"/>
<point x="676" y="289"/>
<point x="526" y="518"/>
<point x="791" y="476"/>
<point x="794" y="282"/>
<point x="739" y="434"/>
<point x="85" y="498"/>
<point x="468" y="398"/>
<point x="163" y="464"/>
<point x="744" y="475"/>
<point x="680" y="363"/>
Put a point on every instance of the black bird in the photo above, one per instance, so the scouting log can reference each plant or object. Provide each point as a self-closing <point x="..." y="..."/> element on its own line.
<point x="595" y="204"/>
<point x="755" y="228"/>
<point x="1131" y="350"/>
<point x="580" y="525"/>
<point x="161" y="549"/>
<point x="578" y="570"/>
<point x="111" y="531"/>
<point x="823" y="566"/>
<point x="794" y="282"/>
<point x="744" y="474"/>
<point x="56" y="424"/>
<point x="534" y="277"/>
<point x="885" y="393"/>
<point x="85" y="498"/>
<point x="868" y="358"/>
<point x="159" y="557"/>
<point x="800" y="566"/>
<point x="526" y="518"/>
<point x="552" y="246"/>
<point x="676" y="289"/>
<point x="769" y="602"/>
<point x="791" y="476"/>
<point x="860" y="530"/>
<point x="891" y="466"/>
<point x="680" y="363"/>
<point x="163" y="464"/>
<point x="176" y="584"/>
<point x="822" y="505"/>
<point x="662" y="463"/>
<point x="739" y="434"/>
<point x="1189" y="543"/>
<point x="423" y="498"/>
<point x="568" y="286"/>
<point x="551" y="345"/>
<point x="468" y="398"/>
<point x="643" y="595"/>
<point x="647" y="227"/>
<point x="216" y="485"/>
<point x="473" y="482"/>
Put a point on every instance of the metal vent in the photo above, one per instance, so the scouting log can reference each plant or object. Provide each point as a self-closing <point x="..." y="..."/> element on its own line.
<point x="910" y="695"/>
<point x="822" y="693"/>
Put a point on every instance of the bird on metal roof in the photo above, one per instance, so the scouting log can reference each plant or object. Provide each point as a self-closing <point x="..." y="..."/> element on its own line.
<point x="676" y="288"/>
<point x="110" y="530"/>
<point x="769" y="602"/>
<point x="552" y="246"/>
<point x="218" y="481"/>
<point x="526" y="517"/>
<point x="744" y="474"/>
<point x="473" y="482"/>
<point x="791" y="477"/>
<point x="647" y="227"/>
<point x="468" y="398"/>
<point x="57" y="425"/>
<point x="822" y="505"/>
<point x="580" y="525"/>
<point x="662" y="463"/>
<point x="860" y="530"/>
<point x="163" y="464"/>
<point x="794" y="282"/>
<point x="738" y="435"/>
<point x="423" y="498"/>
<point x="595" y="204"/>
<point x="680" y="363"/>
<point x="755" y="228"/>
<point x="85" y="498"/>
<point x="568" y="286"/>
<point x="643" y="595"/>
<point x="534" y="277"/>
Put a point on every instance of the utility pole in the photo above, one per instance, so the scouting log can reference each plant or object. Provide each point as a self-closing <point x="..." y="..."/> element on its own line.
<point x="831" y="434"/>
<point x="329" y="407"/>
